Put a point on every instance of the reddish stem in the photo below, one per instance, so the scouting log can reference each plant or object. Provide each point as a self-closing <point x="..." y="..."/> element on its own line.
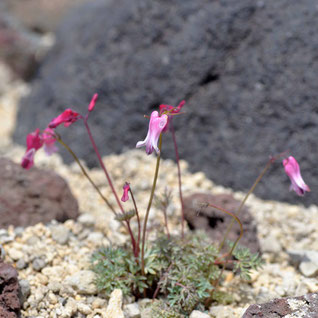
<point x="179" y="177"/>
<point x="138" y="220"/>
<point x="133" y="241"/>
<point x="102" y="165"/>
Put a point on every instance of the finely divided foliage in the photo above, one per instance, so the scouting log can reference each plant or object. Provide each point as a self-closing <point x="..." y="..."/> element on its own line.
<point x="181" y="273"/>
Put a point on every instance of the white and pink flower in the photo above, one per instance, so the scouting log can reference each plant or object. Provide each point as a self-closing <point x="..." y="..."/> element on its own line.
<point x="293" y="171"/>
<point x="156" y="126"/>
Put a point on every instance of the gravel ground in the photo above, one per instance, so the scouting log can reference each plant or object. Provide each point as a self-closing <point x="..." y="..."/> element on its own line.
<point x="53" y="259"/>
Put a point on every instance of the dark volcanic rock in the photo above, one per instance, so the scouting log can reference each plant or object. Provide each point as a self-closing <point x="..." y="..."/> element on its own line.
<point x="247" y="70"/>
<point x="304" y="306"/>
<point x="40" y="15"/>
<point x="20" y="48"/>
<point x="215" y="223"/>
<point x="9" y="292"/>
<point x="31" y="196"/>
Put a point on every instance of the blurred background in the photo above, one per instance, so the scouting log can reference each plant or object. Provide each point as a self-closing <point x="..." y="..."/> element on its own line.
<point x="247" y="70"/>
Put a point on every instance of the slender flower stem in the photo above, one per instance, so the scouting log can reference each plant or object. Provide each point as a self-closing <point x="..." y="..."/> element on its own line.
<point x="217" y="261"/>
<point x="102" y="164"/>
<point x="149" y="206"/>
<point x="269" y="163"/>
<point x="179" y="177"/>
<point x="235" y="218"/>
<point x="133" y="241"/>
<point x="85" y="173"/>
<point x="138" y="219"/>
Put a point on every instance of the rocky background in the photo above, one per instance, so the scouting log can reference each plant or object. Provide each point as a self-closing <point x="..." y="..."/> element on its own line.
<point x="247" y="70"/>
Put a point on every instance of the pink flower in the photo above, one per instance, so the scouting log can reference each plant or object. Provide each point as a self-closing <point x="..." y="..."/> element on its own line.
<point x="156" y="126"/>
<point x="125" y="196"/>
<point x="49" y="140"/>
<point x="68" y="117"/>
<point x="293" y="171"/>
<point x="28" y="159"/>
<point x="92" y="103"/>
<point x="168" y="109"/>
<point x="34" y="142"/>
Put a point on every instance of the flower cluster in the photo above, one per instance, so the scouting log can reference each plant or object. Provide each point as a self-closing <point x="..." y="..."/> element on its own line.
<point x="35" y="141"/>
<point x="47" y="138"/>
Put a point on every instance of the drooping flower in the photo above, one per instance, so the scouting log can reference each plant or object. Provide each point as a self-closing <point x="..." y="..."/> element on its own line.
<point x="293" y="171"/>
<point x="168" y="109"/>
<point x="92" y="103"/>
<point x="49" y="140"/>
<point x="126" y="188"/>
<point x="68" y="117"/>
<point x="34" y="142"/>
<point x="156" y="126"/>
<point x="28" y="159"/>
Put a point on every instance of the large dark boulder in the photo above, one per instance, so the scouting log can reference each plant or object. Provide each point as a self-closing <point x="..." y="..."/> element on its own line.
<point x="28" y="197"/>
<point x="215" y="222"/>
<point x="247" y="70"/>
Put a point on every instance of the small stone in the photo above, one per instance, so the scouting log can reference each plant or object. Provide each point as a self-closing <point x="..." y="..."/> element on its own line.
<point x="87" y="219"/>
<point x="84" y="309"/>
<point x="52" y="298"/>
<point x="307" y="261"/>
<point x="33" y="240"/>
<point x="271" y="245"/>
<point x="60" y="234"/>
<point x="96" y="238"/>
<point x="38" y="296"/>
<point x="219" y="312"/>
<point x="3" y="232"/>
<point x="301" y="289"/>
<point x="53" y="271"/>
<point x="21" y="264"/>
<point x="77" y="228"/>
<point x="5" y="238"/>
<point x="19" y="231"/>
<point x="70" y="307"/>
<point x="2" y="252"/>
<point x="43" y="280"/>
<point x="98" y="303"/>
<point x="24" y="290"/>
<point x="38" y="264"/>
<point x="132" y="310"/>
<point x="308" y="269"/>
<point x="115" y="303"/>
<point x="312" y="256"/>
<point x="83" y="282"/>
<point x="55" y="287"/>
<point x="67" y="291"/>
<point x="296" y="256"/>
<point x="15" y="254"/>
<point x="199" y="314"/>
